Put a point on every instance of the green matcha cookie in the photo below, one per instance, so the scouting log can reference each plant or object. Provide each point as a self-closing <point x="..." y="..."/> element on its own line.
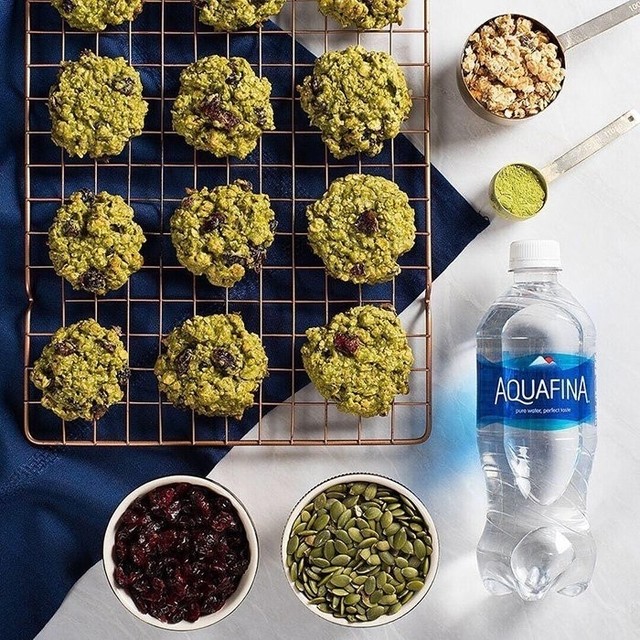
<point x="212" y="365"/>
<point x="222" y="232"/>
<point x="231" y="15"/>
<point x="361" y="360"/>
<point x="363" y="14"/>
<point x="94" y="242"/>
<point x="222" y="106"/>
<point x="96" y="15"/>
<point x="360" y="227"/>
<point x="357" y="98"/>
<point x="81" y="371"/>
<point x="96" y="106"/>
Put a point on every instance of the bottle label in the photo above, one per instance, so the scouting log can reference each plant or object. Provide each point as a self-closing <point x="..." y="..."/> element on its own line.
<point x="544" y="392"/>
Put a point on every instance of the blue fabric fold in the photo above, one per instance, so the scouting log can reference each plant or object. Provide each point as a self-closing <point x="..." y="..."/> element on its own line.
<point x="56" y="501"/>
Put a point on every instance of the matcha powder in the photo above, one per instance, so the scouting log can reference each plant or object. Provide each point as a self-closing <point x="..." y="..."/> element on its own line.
<point x="519" y="190"/>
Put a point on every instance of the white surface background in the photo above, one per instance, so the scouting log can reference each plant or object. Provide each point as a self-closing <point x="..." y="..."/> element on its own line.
<point x="595" y="214"/>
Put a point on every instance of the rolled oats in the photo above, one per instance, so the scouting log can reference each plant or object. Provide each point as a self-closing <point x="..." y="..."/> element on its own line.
<point x="512" y="68"/>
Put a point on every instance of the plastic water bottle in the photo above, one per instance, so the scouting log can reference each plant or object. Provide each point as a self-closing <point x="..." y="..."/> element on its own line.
<point x="536" y="431"/>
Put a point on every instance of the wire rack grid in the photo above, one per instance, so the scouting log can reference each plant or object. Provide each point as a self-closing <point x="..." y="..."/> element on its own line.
<point x="290" y="293"/>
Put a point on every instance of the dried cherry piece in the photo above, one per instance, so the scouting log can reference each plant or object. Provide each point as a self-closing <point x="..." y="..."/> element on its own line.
<point x="98" y="411"/>
<point x="212" y="109"/>
<point x="235" y="76"/>
<point x="65" y="347"/>
<point x="261" y="117"/>
<point x="93" y="280"/>
<point x="257" y="257"/>
<point x="213" y="222"/>
<point x="68" y="6"/>
<point x="223" y="360"/>
<point x="367" y="222"/>
<point x="346" y="344"/>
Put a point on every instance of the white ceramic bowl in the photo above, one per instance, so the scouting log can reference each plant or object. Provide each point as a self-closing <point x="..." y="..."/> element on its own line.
<point x="390" y="484"/>
<point x="245" y="583"/>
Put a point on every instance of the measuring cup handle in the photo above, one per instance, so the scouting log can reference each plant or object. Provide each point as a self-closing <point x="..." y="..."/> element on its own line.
<point x="599" y="25"/>
<point x="591" y="145"/>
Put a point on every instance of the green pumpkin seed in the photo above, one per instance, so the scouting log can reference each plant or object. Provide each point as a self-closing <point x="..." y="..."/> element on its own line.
<point x="325" y="608"/>
<point x="388" y="599"/>
<point x="321" y="563"/>
<point x="386" y="519"/>
<point x="392" y="529"/>
<point x="420" y="549"/>
<point x="320" y="502"/>
<point x="341" y="593"/>
<point x="292" y="545"/>
<point x="336" y="510"/>
<point x="352" y="598"/>
<point x="322" y="538"/>
<point x="316" y="601"/>
<point x="371" y="491"/>
<point x="345" y="516"/>
<point x="343" y="537"/>
<point x="321" y="521"/>
<point x="368" y="542"/>
<point x="365" y="554"/>
<point x="394" y="608"/>
<point x="388" y="589"/>
<point x="354" y="534"/>
<point x="329" y="550"/>
<point x="357" y="488"/>
<point x="407" y="549"/>
<point x="299" y="528"/>
<point x="340" y="545"/>
<point x="406" y="597"/>
<point x="341" y="560"/>
<point x="387" y="558"/>
<point x="409" y="573"/>
<point x="373" y="513"/>
<point x="374" y="598"/>
<point x="399" y="539"/>
<point x="350" y="501"/>
<point x="359" y="580"/>
<point x="340" y="580"/>
<point x="401" y="562"/>
<point x="415" y="585"/>
<point x="370" y="585"/>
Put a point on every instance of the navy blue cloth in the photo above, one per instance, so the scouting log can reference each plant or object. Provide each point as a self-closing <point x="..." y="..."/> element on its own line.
<point x="55" y="501"/>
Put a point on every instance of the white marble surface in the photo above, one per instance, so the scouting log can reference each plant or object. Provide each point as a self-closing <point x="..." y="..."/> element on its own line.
<point x="595" y="214"/>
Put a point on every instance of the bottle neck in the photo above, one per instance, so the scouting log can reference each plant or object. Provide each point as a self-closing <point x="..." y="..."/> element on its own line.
<point x="537" y="275"/>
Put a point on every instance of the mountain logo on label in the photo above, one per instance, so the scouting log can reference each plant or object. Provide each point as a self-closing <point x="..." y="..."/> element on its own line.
<point x="542" y="361"/>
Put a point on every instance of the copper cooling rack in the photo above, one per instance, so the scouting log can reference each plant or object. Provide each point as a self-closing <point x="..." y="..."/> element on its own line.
<point x="282" y="300"/>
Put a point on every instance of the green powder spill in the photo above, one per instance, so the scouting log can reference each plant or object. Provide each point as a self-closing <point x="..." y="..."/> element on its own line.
<point x="519" y="190"/>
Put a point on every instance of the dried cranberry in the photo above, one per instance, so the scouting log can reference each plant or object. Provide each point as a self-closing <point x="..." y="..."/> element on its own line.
<point x="213" y="222"/>
<point x="346" y="344"/>
<point x="68" y="6"/>
<point x="93" y="280"/>
<point x="315" y="84"/>
<point x="65" y="347"/>
<point x="108" y="345"/>
<point x="223" y="360"/>
<point x="358" y="270"/>
<point x="182" y="361"/>
<point x="367" y="222"/>
<point x="180" y="552"/>
<point x="231" y="259"/>
<point x="235" y="76"/>
<point x="212" y="109"/>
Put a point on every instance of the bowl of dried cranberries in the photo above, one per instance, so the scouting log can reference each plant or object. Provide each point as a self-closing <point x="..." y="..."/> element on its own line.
<point x="180" y="552"/>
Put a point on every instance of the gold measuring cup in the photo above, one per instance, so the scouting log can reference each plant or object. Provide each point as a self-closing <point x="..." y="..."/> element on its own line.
<point x="572" y="158"/>
<point x="564" y="42"/>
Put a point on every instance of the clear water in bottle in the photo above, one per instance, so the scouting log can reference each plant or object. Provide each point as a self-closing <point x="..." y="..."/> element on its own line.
<point x="536" y="431"/>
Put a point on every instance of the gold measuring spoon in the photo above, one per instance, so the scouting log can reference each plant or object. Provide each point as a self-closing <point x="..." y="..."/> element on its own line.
<point x="520" y="191"/>
<point x="564" y="42"/>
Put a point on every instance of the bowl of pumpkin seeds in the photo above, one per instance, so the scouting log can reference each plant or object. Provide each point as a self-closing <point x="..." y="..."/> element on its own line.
<point x="360" y="550"/>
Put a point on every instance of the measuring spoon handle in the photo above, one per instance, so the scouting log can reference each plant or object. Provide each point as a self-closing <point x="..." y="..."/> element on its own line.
<point x="599" y="25"/>
<point x="591" y="145"/>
